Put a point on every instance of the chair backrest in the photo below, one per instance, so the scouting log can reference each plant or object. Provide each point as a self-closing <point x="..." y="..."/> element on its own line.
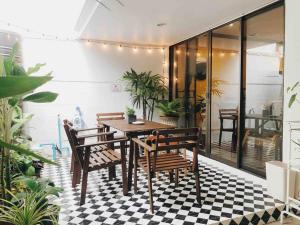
<point x="73" y="141"/>
<point x="228" y="112"/>
<point x="110" y="116"/>
<point x="173" y="139"/>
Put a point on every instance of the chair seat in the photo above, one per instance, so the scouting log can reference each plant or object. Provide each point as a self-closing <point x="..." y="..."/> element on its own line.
<point x="166" y="161"/>
<point x="102" y="159"/>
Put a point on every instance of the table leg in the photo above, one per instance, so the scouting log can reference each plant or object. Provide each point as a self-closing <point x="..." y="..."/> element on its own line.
<point x="130" y="164"/>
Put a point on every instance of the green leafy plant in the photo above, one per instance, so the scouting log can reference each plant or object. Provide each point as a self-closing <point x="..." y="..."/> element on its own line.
<point x="31" y="209"/>
<point x="130" y="111"/>
<point x="145" y="90"/>
<point x="17" y="85"/>
<point x="170" y="108"/>
<point x="293" y="92"/>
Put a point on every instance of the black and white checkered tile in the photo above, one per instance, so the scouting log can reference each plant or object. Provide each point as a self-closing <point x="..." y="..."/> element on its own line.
<point x="226" y="199"/>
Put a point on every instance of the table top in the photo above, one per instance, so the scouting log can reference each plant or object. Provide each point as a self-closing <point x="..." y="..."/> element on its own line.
<point x="262" y="117"/>
<point x="123" y="125"/>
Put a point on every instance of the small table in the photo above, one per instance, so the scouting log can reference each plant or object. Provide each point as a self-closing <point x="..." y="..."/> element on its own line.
<point x="132" y="131"/>
<point x="264" y="119"/>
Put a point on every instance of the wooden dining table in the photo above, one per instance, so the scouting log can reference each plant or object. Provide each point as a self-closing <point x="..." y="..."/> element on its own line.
<point x="132" y="131"/>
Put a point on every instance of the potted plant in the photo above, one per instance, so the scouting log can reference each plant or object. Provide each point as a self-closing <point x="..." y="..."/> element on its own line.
<point x="17" y="86"/>
<point x="170" y="111"/>
<point x="130" y="115"/>
<point x="145" y="90"/>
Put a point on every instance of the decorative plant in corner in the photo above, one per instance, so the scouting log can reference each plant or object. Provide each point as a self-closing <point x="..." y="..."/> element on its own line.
<point x="170" y="111"/>
<point x="145" y="90"/>
<point x="16" y="86"/>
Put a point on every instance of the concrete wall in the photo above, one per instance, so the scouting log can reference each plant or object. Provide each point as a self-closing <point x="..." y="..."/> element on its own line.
<point x="84" y="76"/>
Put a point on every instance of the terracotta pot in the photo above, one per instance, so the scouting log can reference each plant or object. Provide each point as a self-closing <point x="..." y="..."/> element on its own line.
<point x="169" y="120"/>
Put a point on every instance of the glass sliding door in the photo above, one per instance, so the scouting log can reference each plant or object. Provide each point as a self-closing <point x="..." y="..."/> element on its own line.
<point x="262" y="89"/>
<point x="225" y="91"/>
<point x="180" y="76"/>
<point x="195" y="107"/>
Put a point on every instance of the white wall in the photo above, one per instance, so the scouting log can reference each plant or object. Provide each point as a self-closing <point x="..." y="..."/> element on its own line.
<point x="291" y="71"/>
<point x="83" y="76"/>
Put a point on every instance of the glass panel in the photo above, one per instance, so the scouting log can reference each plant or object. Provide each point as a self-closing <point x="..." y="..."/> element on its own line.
<point x="180" y="76"/>
<point x="225" y="91"/>
<point x="201" y="84"/>
<point x="263" y="89"/>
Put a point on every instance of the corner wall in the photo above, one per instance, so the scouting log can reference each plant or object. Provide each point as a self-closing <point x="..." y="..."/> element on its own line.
<point x="291" y="67"/>
<point x="291" y="73"/>
<point x="84" y="75"/>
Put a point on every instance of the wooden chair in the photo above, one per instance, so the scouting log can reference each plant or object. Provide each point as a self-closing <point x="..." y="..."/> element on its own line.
<point x="228" y="114"/>
<point x="108" y="116"/>
<point x="168" y="143"/>
<point x="70" y="124"/>
<point x="95" y="156"/>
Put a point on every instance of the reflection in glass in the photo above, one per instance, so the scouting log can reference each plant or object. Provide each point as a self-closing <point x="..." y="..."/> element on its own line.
<point x="225" y="89"/>
<point x="197" y="78"/>
<point x="263" y="86"/>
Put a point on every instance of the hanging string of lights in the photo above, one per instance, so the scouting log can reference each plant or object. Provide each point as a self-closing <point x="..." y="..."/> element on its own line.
<point x="26" y="32"/>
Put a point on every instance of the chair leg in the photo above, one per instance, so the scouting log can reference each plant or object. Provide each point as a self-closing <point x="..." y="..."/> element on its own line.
<point x="76" y="174"/>
<point x="150" y="192"/>
<point x="186" y="168"/>
<point x="197" y="179"/>
<point x="124" y="171"/>
<point x="135" y="167"/>
<point x="220" y="134"/>
<point x="176" y="177"/>
<point x="111" y="172"/>
<point x="72" y="163"/>
<point x="171" y="176"/>
<point x="83" y="187"/>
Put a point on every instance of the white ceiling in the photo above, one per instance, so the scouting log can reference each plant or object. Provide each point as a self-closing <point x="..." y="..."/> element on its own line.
<point x="135" y="21"/>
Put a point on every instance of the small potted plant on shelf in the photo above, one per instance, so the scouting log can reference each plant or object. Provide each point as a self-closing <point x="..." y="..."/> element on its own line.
<point x="131" y="115"/>
<point x="170" y="111"/>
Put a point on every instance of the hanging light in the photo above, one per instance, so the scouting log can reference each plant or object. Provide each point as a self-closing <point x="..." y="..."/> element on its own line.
<point x="120" y="48"/>
<point x="149" y="50"/>
<point x="135" y="49"/>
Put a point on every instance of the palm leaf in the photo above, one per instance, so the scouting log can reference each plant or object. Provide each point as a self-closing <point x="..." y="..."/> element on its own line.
<point x="16" y="85"/>
<point x="41" y="97"/>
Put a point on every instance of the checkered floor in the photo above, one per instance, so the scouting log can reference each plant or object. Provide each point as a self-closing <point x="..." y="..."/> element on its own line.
<point x="226" y="199"/>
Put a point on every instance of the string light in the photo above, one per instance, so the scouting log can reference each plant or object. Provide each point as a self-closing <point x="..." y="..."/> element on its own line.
<point x="222" y="54"/>
<point x="135" y="49"/>
<point x="120" y="48"/>
<point x="149" y="50"/>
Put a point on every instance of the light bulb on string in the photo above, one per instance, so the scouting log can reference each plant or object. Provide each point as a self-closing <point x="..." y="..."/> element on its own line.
<point x="149" y="50"/>
<point x="135" y="49"/>
<point x="104" y="45"/>
<point x="120" y="48"/>
<point x="162" y="50"/>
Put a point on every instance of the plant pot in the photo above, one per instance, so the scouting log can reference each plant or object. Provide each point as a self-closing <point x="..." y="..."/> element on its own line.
<point x="5" y="223"/>
<point x="169" y="120"/>
<point x="131" y="118"/>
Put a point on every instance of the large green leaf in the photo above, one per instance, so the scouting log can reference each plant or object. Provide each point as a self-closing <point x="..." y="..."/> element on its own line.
<point x="27" y="152"/>
<point x="16" y="85"/>
<point x="41" y="97"/>
<point x="35" y="69"/>
<point x="1" y="66"/>
<point x="20" y="123"/>
<point x="292" y="100"/>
